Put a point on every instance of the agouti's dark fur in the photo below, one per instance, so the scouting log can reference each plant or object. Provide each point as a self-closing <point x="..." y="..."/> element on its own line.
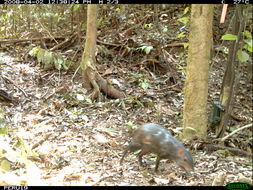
<point x="153" y="138"/>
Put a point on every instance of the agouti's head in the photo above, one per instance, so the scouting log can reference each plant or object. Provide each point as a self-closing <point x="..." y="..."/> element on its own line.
<point x="184" y="160"/>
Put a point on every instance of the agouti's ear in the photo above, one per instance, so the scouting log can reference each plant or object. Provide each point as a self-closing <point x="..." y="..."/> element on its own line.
<point x="180" y="153"/>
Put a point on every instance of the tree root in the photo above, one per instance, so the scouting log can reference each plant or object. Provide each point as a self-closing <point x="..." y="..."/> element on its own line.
<point x="98" y="83"/>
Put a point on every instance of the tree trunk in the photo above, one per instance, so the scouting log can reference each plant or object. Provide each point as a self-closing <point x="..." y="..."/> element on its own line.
<point x="196" y="84"/>
<point x="228" y="84"/>
<point x="91" y="77"/>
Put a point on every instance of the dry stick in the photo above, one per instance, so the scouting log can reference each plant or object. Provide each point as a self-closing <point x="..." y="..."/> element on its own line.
<point x="44" y="94"/>
<point x="170" y="56"/>
<point x="32" y="39"/>
<point x="53" y="38"/>
<point x="50" y="95"/>
<point x="174" y="45"/>
<point x="235" y="131"/>
<point x="60" y="44"/>
<point x="72" y="79"/>
<point x="42" y="140"/>
<point x="46" y="30"/>
<point x="211" y="147"/>
<point x="223" y="14"/>
<point x="15" y="85"/>
<point x="135" y="26"/>
<point x="107" y="43"/>
<point x="238" y="162"/>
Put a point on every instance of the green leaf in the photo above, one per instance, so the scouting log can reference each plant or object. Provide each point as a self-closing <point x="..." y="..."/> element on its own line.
<point x="181" y="70"/>
<point x="184" y="20"/>
<point x="186" y="10"/>
<point x="190" y="130"/>
<point x="247" y="47"/>
<point x="248" y="42"/>
<point x="144" y="84"/>
<point x="88" y="100"/>
<point x="34" y="51"/>
<point x="131" y="125"/>
<point x="181" y="35"/>
<point x="145" y="48"/>
<point x="165" y="29"/>
<point x="118" y="10"/>
<point x="242" y="56"/>
<point x="148" y="49"/>
<point x="100" y="21"/>
<point x="5" y="165"/>
<point x="58" y="63"/>
<point x="24" y="156"/>
<point x="41" y="55"/>
<point x="186" y="45"/>
<point x="228" y="37"/>
<point x="223" y="152"/>
<point x="66" y="64"/>
<point x="49" y="15"/>
<point x="48" y="57"/>
<point x="3" y="130"/>
<point x="247" y="34"/>
<point x="76" y="6"/>
<point x="139" y="75"/>
<point x="27" y="148"/>
<point x="148" y="25"/>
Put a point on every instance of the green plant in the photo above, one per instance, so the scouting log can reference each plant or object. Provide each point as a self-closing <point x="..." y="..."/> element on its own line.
<point x="131" y="125"/>
<point x="144" y="84"/>
<point x="184" y="19"/>
<point x="49" y="59"/>
<point x="242" y="55"/>
<point x="145" y="48"/>
<point x="142" y="81"/>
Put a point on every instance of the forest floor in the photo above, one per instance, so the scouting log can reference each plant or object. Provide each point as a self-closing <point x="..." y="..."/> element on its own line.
<point x="81" y="143"/>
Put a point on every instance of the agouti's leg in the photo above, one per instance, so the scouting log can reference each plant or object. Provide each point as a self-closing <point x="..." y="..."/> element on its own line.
<point x="130" y="148"/>
<point x="144" y="151"/>
<point x="124" y="154"/>
<point x="157" y="163"/>
<point x="140" y="160"/>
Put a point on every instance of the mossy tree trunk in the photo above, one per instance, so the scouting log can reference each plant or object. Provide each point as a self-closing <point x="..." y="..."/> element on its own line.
<point x="196" y="84"/>
<point x="92" y="79"/>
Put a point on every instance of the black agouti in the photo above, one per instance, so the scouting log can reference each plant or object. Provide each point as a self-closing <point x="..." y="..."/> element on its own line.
<point x="153" y="138"/>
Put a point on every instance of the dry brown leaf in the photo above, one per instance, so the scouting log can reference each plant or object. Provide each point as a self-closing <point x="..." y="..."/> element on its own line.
<point x="114" y="143"/>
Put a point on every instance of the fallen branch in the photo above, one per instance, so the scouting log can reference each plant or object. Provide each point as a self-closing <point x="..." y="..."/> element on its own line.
<point x="30" y="39"/>
<point x="211" y="147"/>
<point x="174" y="45"/>
<point x="235" y="131"/>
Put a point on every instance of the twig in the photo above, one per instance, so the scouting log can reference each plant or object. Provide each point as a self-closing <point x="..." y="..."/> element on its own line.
<point x="174" y="45"/>
<point x="50" y="95"/>
<point x="46" y="30"/>
<point x="41" y="141"/>
<point x="45" y="93"/>
<point x="211" y="147"/>
<point x="235" y="131"/>
<point x="107" y="43"/>
<point x="6" y="78"/>
<point x="75" y="74"/>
